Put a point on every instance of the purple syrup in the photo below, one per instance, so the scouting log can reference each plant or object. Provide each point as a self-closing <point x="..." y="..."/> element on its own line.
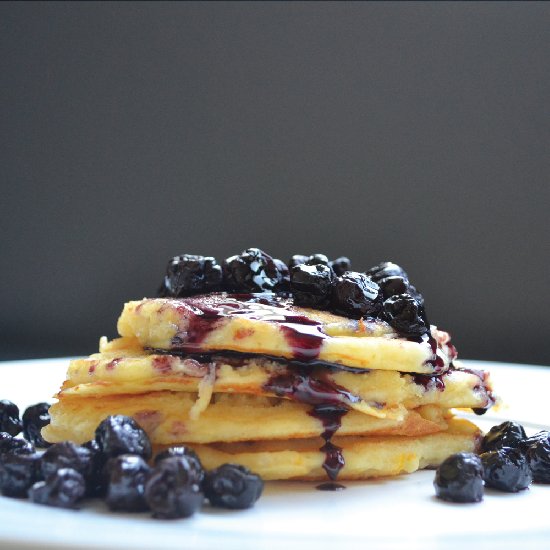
<point x="205" y="313"/>
<point x="298" y="385"/>
<point x="331" y="418"/>
<point x="428" y="381"/>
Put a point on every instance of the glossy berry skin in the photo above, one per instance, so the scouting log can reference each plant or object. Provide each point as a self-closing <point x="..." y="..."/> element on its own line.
<point x="404" y="314"/>
<point x="355" y="295"/>
<point x="340" y="265"/>
<point x="67" y="455"/>
<point x="506" y="469"/>
<point x="459" y="478"/>
<point x="189" y="274"/>
<point x="311" y="285"/>
<point x="14" y="445"/>
<point x="96" y="483"/>
<point x="126" y="488"/>
<point x="18" y="472"/>
<point x="34" y="419"/>
<point x="232" y="486"/>
<point x="190" y="460"/>
<point x="171" y="490"/>
<point x="318" y="259"/>
<point x="507" y="434"/>
<point x="391" y="286"/>
<point x="253" y="271"/>
<point x="63" y="489"/>
<point x="538" y="458"/>
<point x="297" y="259"/>
<point x="9" y="417"/>
<point x="386" y="269"/>
<point x="118" y="434"/>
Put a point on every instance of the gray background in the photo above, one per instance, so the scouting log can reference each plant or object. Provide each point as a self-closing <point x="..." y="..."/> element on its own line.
<point x="412" y="132"/>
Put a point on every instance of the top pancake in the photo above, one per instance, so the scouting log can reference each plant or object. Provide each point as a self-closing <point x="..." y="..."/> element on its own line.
<point x="271" y="325"/>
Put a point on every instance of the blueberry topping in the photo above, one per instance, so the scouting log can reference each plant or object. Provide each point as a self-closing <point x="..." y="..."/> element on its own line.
<point x="232" y="486"/>
<point x="391" y="286"/>
<point x="118" y="434"/>
<point x="9" y="417"/>
<point x="126" y="489"/>
<point x="404" y="314"/>
<point x="506" y="469"/>
<point x="171" y="490"/>
<point x="254" y="271"/>
<point x="189" y="274"/>
<point x="67" y="455"/>
<point x="297" y="259"/>
<point x="529" y="441"/>
<point x="317" y="259"/>
<point x="355" y="295"/>
<point x="386" y="269"/>
<point x="459" y="478"/>
<point x="340" y="265"/>
<point x="63" y="488"/>
<point x="34" y="419"/>
<point x="507" y="434"/>
<point x="18" y="472"/>
<point x="311" y="285"/>
<point x="538" y="458"/>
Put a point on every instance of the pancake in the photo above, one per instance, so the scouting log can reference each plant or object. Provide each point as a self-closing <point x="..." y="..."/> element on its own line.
<point x="123" y="367"/>
<point x="271" y="325"/>
<point x="364" y="457"/>
<point x="167" y="417"/>
<point x="290" y="392"/>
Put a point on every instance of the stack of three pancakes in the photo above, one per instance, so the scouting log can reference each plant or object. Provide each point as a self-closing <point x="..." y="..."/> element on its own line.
<point x="289" y="392"/>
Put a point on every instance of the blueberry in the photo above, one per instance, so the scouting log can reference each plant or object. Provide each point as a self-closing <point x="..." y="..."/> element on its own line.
<point x="297" y="259"/>
<point x="171" y="490"/>
<point x="393" y="285"/>
<point x="118" y="434"/>
<point x="340" y="265"/>
<point x="18" y="472"/>
<point x="506" y="469"/>
<point x="232" y="486"/>
<point x="62" y="488"/>
<point x="14" y="445"/>
<point x="96" y="484"/>
<point x="189" y="274"/>
<point x="68" y="455"/>
<point x="317" y="259"/>
<point x="538" y="458"/>
<point x="507" y="434"/>
<point x="386" y="269"/>
<point x="459" y="478"/>
<point x="311" y="285"/>
<point x="192" y="461"/>
<point x="9" y="417"/>
<point x="126" y="489"/>
<point x="405" y="315"/>
<point x="254" y="271"/>
<point x="527" y="442"/>
<point x="34" y="419"/>
<point x="355" y="295"/>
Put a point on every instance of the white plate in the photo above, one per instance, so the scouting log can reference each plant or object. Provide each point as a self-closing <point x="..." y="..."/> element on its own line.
<point x="392" y="513"/>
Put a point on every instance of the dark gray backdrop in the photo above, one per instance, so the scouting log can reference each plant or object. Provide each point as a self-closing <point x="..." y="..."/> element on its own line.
<point x="412" y="132"/>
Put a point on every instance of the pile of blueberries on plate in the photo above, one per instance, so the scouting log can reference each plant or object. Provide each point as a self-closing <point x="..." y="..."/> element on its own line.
<point x="508" y="461"/>
<point x="383" y="291"/>
<point x="114" y="466"/>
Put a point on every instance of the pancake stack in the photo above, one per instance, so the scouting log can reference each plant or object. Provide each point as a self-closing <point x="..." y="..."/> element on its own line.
<point x="290" y="392"/>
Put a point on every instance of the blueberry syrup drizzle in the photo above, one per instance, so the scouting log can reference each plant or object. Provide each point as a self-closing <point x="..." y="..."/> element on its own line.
<point x="331" y="418"/>
<point x="204" y="313"/>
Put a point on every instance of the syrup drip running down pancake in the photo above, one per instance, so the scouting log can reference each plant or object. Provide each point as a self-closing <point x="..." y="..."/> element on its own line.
<point x="270" y="324"/>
